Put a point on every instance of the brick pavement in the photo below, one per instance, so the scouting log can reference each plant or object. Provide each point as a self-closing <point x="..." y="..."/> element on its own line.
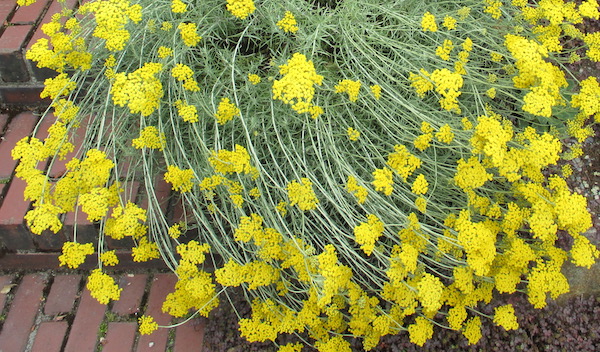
<point x="41" y="312"/>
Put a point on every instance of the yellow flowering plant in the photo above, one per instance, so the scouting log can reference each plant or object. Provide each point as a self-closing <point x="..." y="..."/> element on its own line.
<point x="342" y="211"/>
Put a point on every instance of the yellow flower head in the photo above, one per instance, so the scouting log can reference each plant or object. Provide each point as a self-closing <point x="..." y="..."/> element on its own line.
<point x="302" y="194"/>
<point x="103" y="287"/>
<point x="226" y="111"/>
<point x="353" y="134"/>
<point x="147" y="325"/>
<point x="240" y="8"/>
<point x="180" y="180"/>
<point x="149" y="138"/>
<point x="350" y="87"/>
<point x="254" y="78"/>
<point x="428" y="22"/>
<point x="505" y="316"/>
<point x="288" y="23"/>
<point x="73" y="254"/>
<point x="188" y="34"/>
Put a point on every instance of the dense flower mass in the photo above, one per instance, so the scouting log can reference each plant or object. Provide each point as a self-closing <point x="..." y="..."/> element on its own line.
<point x="408" y="205"/>
<point x="296" y="87"/>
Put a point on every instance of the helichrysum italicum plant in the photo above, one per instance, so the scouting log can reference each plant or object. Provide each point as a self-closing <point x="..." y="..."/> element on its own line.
<point x="363" y="167"/>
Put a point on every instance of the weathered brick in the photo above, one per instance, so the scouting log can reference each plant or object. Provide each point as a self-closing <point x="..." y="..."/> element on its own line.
<point x="6" y="8"/>
<point x="13" y="233"/>
<point x="29" y="14"/>
<point x="189" y="336"/>
<point x="23" y="96"/>
<point x="24" y="309"/>
<point x="50" y="336"/>
<point x="133" y="290"/>
<point x="84" y="331"/>
<point x="119" y="337"/>
<point x="14" y="68"/>
<point x="63" y="294"/>
<point x="162" y="285"/>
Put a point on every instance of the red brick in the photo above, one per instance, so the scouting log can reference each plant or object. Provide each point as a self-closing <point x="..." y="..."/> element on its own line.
<point x="13" y="38"/>
<point x="63" y="294"/>
<point x="6" y="7"/>
<point x="23" y="96"/>
<point x="189" y="336"/>
<point x="4" y="280"/>
<point x="120" y="337"/>
<point x="50" y="336"/>
<point x="24" y="308"/>
<point x="162" y="285"/>
<point x="13" y="232"/>
<point x="133" y="289"/>
<point x="29" y="14"/>
<point x="84" y="332"/>
<point x="20" y="126"/>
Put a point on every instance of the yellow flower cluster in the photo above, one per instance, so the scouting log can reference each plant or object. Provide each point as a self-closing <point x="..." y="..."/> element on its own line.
<point x="103" y="287"/>
<point x="353" y="134"/>
<point x="141" y="90"/>
<point x="493" y="8"/>
<point x="445" y="49"/>
<point x="62" y="48"/>
<point x="296" y="86"/>
<point x="147" y="325"/>
<point x="111" y="18"/>
<point x="505" y="316"/>
<point x="144" y="251"/>
<point x="445" y="134"/>
<point x="376" y="90"/>
<point x="588" y="97"/>
<point x="350" y="87"/>
<point x="164" y="52"/>
<point x="241" y="8"/>
<point x="180" y="179"/>
<point x="226" y="111"/>
<point x="429" y="293"/>
<point x="542" y="78"/>
<point x="109" y="258"/>
<point x="125" y="222"/>
<point x="302" y="194"/>
<point x="178" y="6"/>
<point x="428" y="22"/>
<point x="195" y="288"/>
<point x="420" y="331"/>
<point x="367" y="233"/>
<point x="184" y="73"/>
<point x="73" y="254"/>
<point x="188" y="33"/>
<point x="403" y="162"/>
<point x="383" y="181"/>
<point x="58" y="86"/>
<point x="420" y="185"/>
<point x="449" y="22"/>
<point x="288" y="23"/>
<point x="188" y="113"/>
<point x="358" y="191"/>
<point x="149" y="138"/>
<point x="254" y="78"/>
<point x="234" y="161"/>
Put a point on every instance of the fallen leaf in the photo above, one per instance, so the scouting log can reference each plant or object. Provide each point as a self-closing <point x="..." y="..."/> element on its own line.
<point x="6" y="289"/>
<point x="59" y="317"/>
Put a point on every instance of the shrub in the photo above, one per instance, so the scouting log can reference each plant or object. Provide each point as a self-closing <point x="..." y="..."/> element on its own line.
<point x="364" y="168"/>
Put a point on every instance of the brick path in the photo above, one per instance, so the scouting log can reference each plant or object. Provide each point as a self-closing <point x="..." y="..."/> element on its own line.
<point x="47" y="310"/>
<point x="46" y="313"/>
